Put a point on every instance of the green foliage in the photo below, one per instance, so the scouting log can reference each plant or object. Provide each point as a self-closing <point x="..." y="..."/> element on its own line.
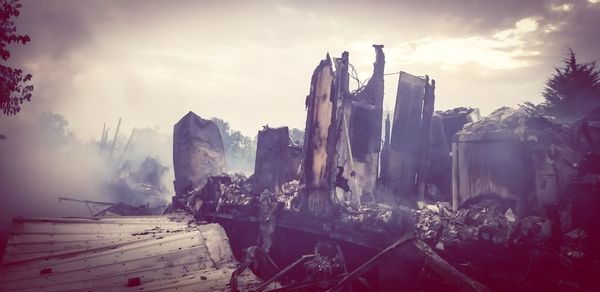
<point x="573" y="91"/>
<point x="240" y="149"/>
<point x="14" y="85"/>
<point x="297" y="135"/>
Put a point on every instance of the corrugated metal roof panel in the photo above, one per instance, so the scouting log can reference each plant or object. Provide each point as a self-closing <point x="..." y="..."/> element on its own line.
<point x="110" y="254"/>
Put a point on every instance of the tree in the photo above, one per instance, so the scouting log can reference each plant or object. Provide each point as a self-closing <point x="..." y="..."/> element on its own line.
<point x="14" y="85"/>
<point x="240" y="149"/>
<point x="573" y="91"/>
<point x="297" y="135"/>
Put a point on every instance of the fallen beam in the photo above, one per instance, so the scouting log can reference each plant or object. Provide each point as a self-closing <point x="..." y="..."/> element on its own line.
<point x="447" y="271"/>
<point x="284" y="271"/>
<point x="304" y="285"/>
<point x="370" y="263"/>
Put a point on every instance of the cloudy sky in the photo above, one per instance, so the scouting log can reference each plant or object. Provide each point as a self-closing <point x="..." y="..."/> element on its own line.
<point x="250" y="63"/>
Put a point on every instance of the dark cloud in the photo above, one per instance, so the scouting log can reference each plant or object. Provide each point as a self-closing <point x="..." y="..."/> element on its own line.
<point x="57" y="27"/>
<point x="581" y="32"/>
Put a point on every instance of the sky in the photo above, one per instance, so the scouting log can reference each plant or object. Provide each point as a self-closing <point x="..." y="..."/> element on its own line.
<point x="250" y="63"/>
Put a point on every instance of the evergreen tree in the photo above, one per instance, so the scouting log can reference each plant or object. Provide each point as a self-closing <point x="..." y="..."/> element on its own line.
<point x="573" y="91"/>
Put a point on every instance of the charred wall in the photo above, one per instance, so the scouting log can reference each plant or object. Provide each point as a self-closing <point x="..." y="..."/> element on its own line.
<point x="197" y="152"/>
<point x="277" y="159"/>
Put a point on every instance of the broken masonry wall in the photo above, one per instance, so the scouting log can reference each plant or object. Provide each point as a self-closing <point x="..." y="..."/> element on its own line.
<point x="316" y="168"/>
<point x="359" y="143"/>
<point x="277" y="161"/>
<point x="198" y="152"/>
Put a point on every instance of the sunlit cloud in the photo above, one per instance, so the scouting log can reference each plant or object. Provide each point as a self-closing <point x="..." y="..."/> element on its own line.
<point x="526" y="25"/>
<point x="566" y="6"/>
<point x="506" y="49"/>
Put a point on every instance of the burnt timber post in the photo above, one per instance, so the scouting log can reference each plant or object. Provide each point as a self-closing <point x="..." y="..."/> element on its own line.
<point x="316" y="173"/>
<point x="425" y="131"/>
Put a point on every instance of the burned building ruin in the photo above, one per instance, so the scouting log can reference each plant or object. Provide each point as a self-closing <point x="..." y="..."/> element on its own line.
<point x="419" y="200"/>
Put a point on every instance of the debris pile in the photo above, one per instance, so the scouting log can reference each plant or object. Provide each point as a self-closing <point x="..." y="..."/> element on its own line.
<point x="519" y="156"/>
<point x="485" y="238"/>
<point x="511" y="199"/>
<point x="235" y="194"/>
<point x="141" y="186"/>
<point x="486" y="219"/>
<point x="288" y="196"/>
<point x="375" y="215"/>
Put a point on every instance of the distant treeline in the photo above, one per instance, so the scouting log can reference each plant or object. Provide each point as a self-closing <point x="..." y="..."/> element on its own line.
<point x="241" y="149"/>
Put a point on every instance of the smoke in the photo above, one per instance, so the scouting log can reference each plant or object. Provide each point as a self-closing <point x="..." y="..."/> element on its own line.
<point x="148" y="143"/>
<point x="42" y="159"/>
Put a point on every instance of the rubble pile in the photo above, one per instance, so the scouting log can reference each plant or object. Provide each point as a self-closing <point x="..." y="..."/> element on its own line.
<point x="238" y="194"/>
<point x="235" y="193"/>
<point x="288" y="195"/>
<point x="515" y="205"/>
<point x="485" y="238"/>
<point x="503" y="118"/>
<point x="525" y="126"/>
<point x="518" y="155"/>
<point x="486" y="220"/>
<point x="375" y="215"/>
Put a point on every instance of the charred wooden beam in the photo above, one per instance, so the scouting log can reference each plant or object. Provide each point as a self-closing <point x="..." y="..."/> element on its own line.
<point x="424" y="133"/>
<point x="126" y="147"/>
<point x="309" y="284"/>
<point x="447" y="271"/>
<point x="348" y="279"/>
<point x="114" y="142"/>
<point x="299" y="261"/>
<point x="384" y="175"/>
<point x="317" y="168"/>
<point x="359" y="141"/>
